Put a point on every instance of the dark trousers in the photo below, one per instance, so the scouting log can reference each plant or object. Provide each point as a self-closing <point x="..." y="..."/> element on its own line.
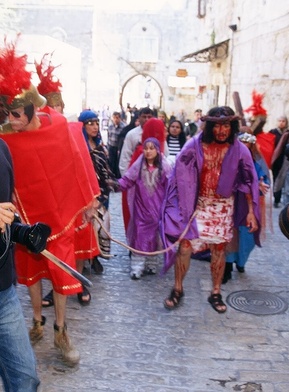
<point x="277" y="195"/>
<point x="113" y="160"/>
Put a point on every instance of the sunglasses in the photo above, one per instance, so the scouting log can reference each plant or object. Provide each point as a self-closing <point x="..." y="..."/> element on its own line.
<point x="12" y="112"/>
<point x="91" y="122"/>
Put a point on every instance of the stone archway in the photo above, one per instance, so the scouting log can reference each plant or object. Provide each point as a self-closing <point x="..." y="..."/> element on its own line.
<point x="141" y="91"/>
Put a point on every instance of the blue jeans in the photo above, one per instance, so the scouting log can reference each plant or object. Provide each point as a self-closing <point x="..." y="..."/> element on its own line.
<point x="17" y="360"/>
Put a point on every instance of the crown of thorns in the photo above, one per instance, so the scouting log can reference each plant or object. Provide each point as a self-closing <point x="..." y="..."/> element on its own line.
<point x="220" y="119"/>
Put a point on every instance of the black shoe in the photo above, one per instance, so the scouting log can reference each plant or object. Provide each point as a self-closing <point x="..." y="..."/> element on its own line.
<point x="85" y="293"/>
<point x="240" y="269"/>
<point x="276" y="205"/>
<point x="97" y="266"/>
<point x="227" y="273"/>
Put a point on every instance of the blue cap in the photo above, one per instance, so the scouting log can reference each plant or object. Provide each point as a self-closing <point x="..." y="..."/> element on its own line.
<point x="87" y="115"/>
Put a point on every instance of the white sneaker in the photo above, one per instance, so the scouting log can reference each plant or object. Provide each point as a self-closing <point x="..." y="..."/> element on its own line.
<point x="150" y="270"/>
<point x="135" y="275"/>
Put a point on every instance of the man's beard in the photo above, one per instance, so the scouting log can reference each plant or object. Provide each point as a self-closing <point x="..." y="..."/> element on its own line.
<point x="221" y="141"/>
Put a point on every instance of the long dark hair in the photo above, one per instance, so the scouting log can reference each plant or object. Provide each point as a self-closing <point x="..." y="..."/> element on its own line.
<point x="97" y="139"/>
<point x="220" y="115"/>
<point x="181" y="137"/>
<point x="158" y="163"/>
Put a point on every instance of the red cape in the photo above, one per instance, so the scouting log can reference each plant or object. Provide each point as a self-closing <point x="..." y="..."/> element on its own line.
<point x="86" y="246"/>
<point x="266" y="143"/>
<point x="52" y="185"/>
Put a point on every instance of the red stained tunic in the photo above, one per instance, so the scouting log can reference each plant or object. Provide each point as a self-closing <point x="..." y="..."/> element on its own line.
<point x="213" y="157"/>
<point x="214" y="214"/>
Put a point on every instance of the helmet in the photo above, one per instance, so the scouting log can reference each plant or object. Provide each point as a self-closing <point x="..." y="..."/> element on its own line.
<point x="27" y="97"/>
<point x="16" y="89"/>
<point x="49" y="86"/>
<point x="54" y="99"/>
<point x="258" y="113"/>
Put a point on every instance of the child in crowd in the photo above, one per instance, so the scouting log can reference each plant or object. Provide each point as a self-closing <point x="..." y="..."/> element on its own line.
<point x="147" y="178"/>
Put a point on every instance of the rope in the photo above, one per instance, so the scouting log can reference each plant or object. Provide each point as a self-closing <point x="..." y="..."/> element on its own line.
<point x="158" y="252"/>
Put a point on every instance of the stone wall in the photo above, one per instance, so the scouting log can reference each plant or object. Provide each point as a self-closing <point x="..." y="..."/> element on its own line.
<point x="257" y="56"/>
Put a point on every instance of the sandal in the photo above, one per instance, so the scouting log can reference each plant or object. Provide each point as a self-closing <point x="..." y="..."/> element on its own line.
<point x="48" y="299"/>
<point x="84" y="293"/>
<point x="175" y="297"/>
<point x="97" y="266"/>
<point x="217" y="303"/>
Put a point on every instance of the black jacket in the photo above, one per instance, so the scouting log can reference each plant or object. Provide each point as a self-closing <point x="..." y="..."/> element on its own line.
<point x="7" y="269"/>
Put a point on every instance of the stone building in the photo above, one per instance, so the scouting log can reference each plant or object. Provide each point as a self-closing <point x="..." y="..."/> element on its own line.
<point x="257" y="54"/>
<point x="178" y="55"/>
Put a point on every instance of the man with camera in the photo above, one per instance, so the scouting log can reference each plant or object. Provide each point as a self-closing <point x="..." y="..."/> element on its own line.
<point x="17" y="361"/>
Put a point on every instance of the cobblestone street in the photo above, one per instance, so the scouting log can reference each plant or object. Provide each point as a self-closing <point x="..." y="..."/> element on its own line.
<point x="130" y="343"/>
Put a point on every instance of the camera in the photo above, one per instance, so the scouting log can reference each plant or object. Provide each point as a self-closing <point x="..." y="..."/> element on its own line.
<point x="34" y="237"/>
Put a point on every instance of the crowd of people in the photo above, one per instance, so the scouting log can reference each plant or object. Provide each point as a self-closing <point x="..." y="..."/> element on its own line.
<point x="186" y="188"/>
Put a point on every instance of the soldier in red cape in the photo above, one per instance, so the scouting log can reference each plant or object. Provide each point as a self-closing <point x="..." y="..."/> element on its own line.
<point x="52" y="185"/>
<point x="85" y="242"/>
<point x="265" y="140"/>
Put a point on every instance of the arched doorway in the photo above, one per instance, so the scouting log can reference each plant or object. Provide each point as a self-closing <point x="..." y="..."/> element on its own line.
<point x="141" y="91"/>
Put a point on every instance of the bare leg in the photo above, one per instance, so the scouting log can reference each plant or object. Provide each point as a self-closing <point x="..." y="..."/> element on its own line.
<point x="61" y="339"/>
<point x="60" y="308"/>
<point x="35" y="292"/>
<point x="182" y="263"/>
<point x="36" y="332"/>
<point x="79" y="265"/>
<point x="181" y="268"/>
<point x="218" y="262"/>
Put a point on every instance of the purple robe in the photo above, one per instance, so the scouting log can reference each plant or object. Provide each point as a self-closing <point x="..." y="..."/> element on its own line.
<point x="238" y="177"/>
<point x="145" y="206"/>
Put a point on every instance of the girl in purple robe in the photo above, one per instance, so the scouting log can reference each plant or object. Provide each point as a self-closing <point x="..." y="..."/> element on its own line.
<point x="147" y="179"/>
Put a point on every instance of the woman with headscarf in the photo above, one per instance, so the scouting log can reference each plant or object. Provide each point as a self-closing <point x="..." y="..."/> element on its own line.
<point x="152" y="128"/>
<point x="98" y="153"/>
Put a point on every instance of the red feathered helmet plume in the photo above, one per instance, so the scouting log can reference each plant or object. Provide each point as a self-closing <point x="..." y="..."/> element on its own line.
<point x="16" y="89"/>
<point x="49" y="85"/>
<point x="48" y="82"/>
<point x="256" y="109"/>
<point x="14" y="78"/>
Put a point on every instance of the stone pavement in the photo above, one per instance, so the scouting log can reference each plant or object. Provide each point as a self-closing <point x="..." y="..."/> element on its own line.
<point x="130" y="343"/>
